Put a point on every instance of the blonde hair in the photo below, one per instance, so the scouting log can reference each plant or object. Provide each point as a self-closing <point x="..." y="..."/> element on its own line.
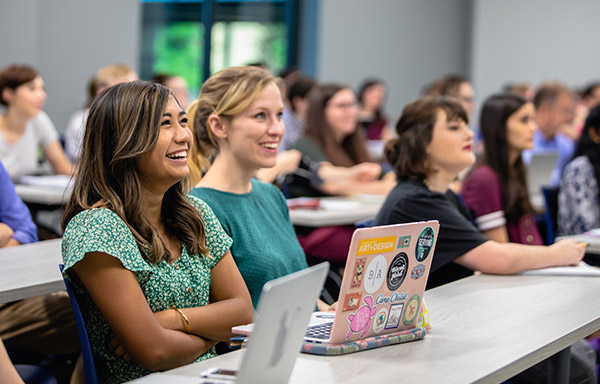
<point x="226" y="94"/>
<point x="108" y="74"/>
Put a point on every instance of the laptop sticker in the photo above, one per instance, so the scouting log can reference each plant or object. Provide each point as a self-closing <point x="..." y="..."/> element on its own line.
<point x="361" y="319"/>
<point x="359" y="271"/>
<point x="417" y="272"/>
<point x="424" y="244"/>
<point x="376" y="245"/>
<point x="380" y="319"/>
<point x="351" y="301"/>
<point x="397" y="271"/>
<point x="412" y="310"/>
<point x="393" y="319"/>
<point x="404" y="241"/>
<point x="375" y="274"/>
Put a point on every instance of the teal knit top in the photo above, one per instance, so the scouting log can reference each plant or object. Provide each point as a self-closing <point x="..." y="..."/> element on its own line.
<point x="265" y="246"/>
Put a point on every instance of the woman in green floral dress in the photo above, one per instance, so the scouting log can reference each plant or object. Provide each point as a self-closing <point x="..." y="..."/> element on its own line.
<point x="150" y="265"/>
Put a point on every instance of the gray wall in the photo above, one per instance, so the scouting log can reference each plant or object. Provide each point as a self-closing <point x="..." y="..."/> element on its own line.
<point x="406" y="43"/>
<point x="534" y="40"/>
<point x="67" y="41"/>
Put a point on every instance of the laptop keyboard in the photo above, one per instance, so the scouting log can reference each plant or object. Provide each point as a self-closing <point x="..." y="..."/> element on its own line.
<point x="320" y="332"/>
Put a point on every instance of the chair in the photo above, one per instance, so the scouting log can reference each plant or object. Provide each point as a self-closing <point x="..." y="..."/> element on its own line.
<point x="89" y="366"/>
<point x="33" y="374"/>
<point x="551" y="204"/>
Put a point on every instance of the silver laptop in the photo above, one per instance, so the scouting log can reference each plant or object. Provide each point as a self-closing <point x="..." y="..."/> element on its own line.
<point x="284" y="309"/>
<point x="539" y="173"/>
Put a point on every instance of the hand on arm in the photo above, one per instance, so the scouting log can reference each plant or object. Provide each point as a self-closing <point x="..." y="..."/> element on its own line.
<point x="139" y="334"/>
<point x="508" y="258"/>
<point x="6" y="233"/>
<point x="230" y="303"/>
<point x="287" y="162"/>
<point x="57" y="158"/>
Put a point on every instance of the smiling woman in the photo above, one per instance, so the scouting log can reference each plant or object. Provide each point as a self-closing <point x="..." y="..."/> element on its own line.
<point x="150" y="265"/>
<point x="237" y="123"/>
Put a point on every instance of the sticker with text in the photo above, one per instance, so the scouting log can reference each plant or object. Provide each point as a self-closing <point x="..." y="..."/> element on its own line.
<point x="376" y="245"/>
<point x="397" y="271"/>
<point x="361" y="319"/>
<point x="359" y="271"/>
<point x="412" y="310"/>
<point x="375" y="274"/>
<point x="424" y="244"/>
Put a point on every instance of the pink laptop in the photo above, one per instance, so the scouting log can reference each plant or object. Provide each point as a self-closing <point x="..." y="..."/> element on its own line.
<point x="383" y="283"/>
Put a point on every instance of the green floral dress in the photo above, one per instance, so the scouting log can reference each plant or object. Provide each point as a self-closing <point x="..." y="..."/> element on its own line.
<point x="185" y="283"/>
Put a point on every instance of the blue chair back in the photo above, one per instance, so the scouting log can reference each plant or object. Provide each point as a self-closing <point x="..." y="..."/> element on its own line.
<point x="89" y="366"/>
<point x="551" y="204"/>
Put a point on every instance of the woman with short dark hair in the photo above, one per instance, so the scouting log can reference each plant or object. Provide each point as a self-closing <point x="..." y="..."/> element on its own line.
<point x="433" y="145"/>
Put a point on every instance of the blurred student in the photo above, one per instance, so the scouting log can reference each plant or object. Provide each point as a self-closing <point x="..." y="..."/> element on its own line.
<point x="371" y="98"/>
<point x="150" y="265"/>
<point x="24" y="127"/>
<point x="579" y="195"/>
<point x="554" y="108"/>
<point x="105" y="77"/>
<point x="294" y="110"/>
<point x="177" y="85"/>
<point x="456" y="86"/>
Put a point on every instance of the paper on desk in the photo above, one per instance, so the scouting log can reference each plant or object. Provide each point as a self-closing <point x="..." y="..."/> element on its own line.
<point x="583" y="269"/>
<point x="52" y="181"/>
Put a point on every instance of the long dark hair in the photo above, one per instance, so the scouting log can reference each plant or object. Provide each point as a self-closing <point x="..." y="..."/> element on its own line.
<point x="586" y="146"/>
<point x="352" y="149"/>
<point x="513" y="182"/>
<point x="123" y="124"/>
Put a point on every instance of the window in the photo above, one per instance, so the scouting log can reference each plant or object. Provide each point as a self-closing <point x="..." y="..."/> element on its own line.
<point x="193" y="39"/>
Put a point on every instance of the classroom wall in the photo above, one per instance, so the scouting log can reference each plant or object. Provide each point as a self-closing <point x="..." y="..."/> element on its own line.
<point x="534" y="40"/>
<point x="406" y="43"/>
<point x="67" y="41"/>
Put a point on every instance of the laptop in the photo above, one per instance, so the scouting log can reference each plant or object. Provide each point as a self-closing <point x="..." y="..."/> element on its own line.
<point x="284" y="310"/>
<point x="539" y="173"/>
<point x="383" y="284"/>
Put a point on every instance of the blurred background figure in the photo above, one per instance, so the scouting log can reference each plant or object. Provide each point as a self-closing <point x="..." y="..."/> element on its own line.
<point x="105" y="77"/>
<point x="554" y="108"/>
<point x="578" y="197"/>
<point x="525" y="90"/>
<point x="371" y="99"/>
<point x="294" y="111"/>
<point x="177" y="85"/>
<point x="455" y="86"/>
<point x="24" y="127"/>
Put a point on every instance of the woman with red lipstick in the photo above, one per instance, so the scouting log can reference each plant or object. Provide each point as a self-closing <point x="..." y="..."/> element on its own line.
<point x="150" y="265"/>
<point x="24" y="127"/>
<point x="433" y="145"/>
<point x="495" y="191"/>
<point x="237" y="124"/>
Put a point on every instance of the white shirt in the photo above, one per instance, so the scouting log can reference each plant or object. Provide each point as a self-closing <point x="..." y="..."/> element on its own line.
<point x="22" y="157"/>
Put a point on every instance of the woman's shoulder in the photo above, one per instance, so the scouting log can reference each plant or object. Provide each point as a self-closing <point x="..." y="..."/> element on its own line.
<point x="580" y="163"/>
<point x="482" y="173"/>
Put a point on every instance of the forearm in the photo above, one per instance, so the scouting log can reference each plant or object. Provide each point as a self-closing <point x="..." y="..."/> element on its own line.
<point x="377" y="187"/>
<point x="214" y="321"/>
<point x="174" y="350"/>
